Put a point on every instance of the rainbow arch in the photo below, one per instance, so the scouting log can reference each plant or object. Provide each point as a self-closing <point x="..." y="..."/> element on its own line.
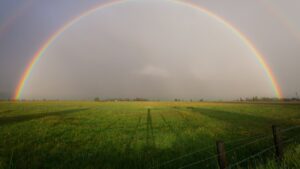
<point x="228" y="25"/>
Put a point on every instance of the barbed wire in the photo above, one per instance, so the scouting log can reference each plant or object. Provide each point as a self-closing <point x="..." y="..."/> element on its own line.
<point x="180" y="157"/>
<point x="201" y="150"/>
<point x="236" y="148"/>
<point x="290" y="128"/>
<point x="231" y="150"/>
<point x="252" y="156"/>
<point x="256" y="154"/>
<point x="198" y="162"/>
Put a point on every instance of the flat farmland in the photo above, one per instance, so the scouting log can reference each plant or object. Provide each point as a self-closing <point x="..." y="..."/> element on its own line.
<point x="82" y="134"/>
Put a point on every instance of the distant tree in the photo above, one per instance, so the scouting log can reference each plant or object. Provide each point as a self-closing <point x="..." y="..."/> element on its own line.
<point x="177" y="100"/>
<point x="255" y="98"/>
<point x="140" y="99"/>
<point x="97" y="99"/>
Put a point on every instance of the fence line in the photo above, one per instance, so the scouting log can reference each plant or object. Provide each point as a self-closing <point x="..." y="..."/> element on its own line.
<point x="256" y="154"/>
<point x="252" y="156"/>
<point x="236" y="148"/>
<point x="181" y="157"/>
<point x="267" y="149"/>
<point x="282" y="131"/>
<point x="198" y="162"/>
<point x="290" y="128"/>
<point x="231" y="150"/>
<point x="246" y="144"/>
<point x="201" y="150"/>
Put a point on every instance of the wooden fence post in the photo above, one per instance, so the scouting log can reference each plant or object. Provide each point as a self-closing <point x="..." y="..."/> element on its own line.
<point x="221" y="155"/>
<point x="277" y="143"/>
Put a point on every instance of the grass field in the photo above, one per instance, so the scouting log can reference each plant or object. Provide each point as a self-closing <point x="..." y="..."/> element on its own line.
<point x="125" y="135"/>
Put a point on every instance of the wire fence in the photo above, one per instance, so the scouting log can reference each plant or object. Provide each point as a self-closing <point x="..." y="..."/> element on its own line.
<point x="290" y="128"/>
<point x="202" y="150"/>
<point x="231" y="150"/>
<point x="258" y="138"/>
<point x="252" y="156"/>
<point x="256" y="154"/>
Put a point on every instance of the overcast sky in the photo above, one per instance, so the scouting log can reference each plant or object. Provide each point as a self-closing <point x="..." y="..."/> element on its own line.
<point x="149" y="48"/>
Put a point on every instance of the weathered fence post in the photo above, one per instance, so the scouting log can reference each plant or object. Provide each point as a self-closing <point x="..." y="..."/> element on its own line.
<point x="277" y="143"/>
<point x="221" y="155"/>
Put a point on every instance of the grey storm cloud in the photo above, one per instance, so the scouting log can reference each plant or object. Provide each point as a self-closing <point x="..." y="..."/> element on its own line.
<point x="130" y="51"/>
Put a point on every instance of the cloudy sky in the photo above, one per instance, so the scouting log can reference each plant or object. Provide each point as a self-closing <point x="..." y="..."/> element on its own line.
<point x="149" y="48"/>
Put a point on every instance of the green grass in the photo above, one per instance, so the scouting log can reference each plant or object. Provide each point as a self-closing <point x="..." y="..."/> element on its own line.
<point x="291" y="159"/>
<point x="121" y="135"/>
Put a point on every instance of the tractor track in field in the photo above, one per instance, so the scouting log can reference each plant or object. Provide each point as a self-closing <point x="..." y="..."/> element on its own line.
<point x="187" y="121"/>
<point x="131" y="137"/>
<point x="170" y="127"/>
<point x="23" y="118"/>
<point x="150" y="135"/>
<point x="109" y="126"/>
<point x="6" y="111"/>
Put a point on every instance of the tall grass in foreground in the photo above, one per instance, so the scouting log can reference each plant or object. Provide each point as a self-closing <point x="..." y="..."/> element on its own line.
<point x="291" y="160"/>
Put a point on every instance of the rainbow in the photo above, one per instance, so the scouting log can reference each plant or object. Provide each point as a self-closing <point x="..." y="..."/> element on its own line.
<point x="228" y="25"/>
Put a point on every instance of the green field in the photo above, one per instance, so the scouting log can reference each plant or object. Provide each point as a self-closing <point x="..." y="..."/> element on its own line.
<point x="61" y="134"/>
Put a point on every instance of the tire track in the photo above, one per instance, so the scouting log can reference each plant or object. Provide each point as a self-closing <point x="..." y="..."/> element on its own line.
<point x="150" y="141"/>
<point x="131" y="138"/>
<point x="170" y="127"/>
<point x="188" y="121"/>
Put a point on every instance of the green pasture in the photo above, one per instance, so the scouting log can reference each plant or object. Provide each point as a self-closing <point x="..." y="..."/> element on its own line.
<point x="133" y="135"/>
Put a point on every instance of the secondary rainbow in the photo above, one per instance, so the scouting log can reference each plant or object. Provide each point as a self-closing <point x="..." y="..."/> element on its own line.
<point x="228" y="25"/>
<point x="285" y="21"/>
<point x="16" y="14"/>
